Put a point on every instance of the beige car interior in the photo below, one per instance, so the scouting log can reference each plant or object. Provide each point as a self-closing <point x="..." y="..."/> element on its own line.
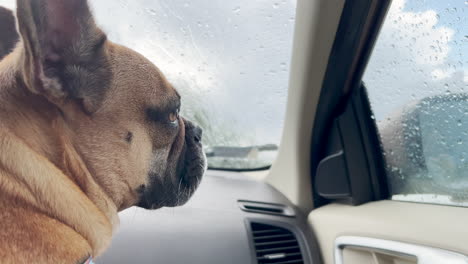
<point x="435" y="228"/>
<point x="379" y="232"/>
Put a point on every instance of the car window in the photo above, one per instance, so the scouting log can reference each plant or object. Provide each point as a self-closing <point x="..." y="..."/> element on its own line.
<point x="417" y="81"/>
<point x="228" y="59"/>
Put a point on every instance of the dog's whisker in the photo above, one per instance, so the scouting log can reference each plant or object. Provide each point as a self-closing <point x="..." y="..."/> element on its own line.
<point x="178" y="191"/>
<point x="134" y="213"/>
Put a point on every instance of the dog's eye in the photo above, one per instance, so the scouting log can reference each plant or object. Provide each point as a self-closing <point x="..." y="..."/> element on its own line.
<point x="174" y="116"/>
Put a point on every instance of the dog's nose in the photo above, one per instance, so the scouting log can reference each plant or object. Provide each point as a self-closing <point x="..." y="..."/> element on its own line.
<point x="193" y="131"/>
<point x="197" y="133"/>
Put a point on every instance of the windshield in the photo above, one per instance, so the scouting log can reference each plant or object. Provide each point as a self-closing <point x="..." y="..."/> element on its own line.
<point x="228" y="59"/>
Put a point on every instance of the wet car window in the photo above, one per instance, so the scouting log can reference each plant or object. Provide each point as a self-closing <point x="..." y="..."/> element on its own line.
<point x="228" y="59"/>
<point x="417" y="81"/>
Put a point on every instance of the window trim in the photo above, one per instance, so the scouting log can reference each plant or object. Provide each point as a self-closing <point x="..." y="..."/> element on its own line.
<point x="357" y="33"/>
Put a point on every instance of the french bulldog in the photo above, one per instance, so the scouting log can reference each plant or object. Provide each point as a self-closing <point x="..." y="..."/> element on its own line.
<point x="87" y="128"/>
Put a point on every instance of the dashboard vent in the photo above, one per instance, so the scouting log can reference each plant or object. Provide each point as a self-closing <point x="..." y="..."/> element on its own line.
<point x="266" y="208"/>
<point x="275" y="245"/>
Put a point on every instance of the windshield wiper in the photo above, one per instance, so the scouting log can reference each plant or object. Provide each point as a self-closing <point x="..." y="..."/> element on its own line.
<point x="238" y="152"/>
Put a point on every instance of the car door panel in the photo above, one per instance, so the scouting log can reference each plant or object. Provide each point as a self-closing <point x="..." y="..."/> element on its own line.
<point x="434" y="226"/>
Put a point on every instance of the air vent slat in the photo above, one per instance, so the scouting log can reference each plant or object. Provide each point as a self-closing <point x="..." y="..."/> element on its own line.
<point x="270" y="237"/>
<point x="269" y="231"/>
<point x="291" y="262"/>
<point x="276" y="242"/>
<point x="263" y="251"/>
<point x="266" y="208"/>
<point x="275" y="245"/>
<point x="285" y="256"/>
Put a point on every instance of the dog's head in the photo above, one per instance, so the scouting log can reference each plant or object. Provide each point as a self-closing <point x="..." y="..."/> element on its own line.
<point x="121" y="113"/>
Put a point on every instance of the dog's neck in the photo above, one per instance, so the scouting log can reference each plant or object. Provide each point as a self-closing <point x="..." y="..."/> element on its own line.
<point x="30" y="117"/>
<point x="39" y="125"/>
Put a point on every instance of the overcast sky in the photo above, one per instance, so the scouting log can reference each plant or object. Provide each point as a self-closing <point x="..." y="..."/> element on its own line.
<point x="422" y="51"/>
<point x="232" y="58"/>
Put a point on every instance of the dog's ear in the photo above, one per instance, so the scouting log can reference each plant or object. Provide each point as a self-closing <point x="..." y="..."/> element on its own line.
<point x="64" y="52"/>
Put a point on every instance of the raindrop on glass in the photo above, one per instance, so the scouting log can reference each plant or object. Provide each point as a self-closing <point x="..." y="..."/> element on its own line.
<point x="152" y="12"/>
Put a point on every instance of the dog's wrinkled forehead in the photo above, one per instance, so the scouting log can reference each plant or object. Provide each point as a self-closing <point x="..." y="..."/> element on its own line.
<point x="138" y="81"/>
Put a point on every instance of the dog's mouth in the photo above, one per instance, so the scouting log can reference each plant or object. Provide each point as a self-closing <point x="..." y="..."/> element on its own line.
<point x="176" y="188"/>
